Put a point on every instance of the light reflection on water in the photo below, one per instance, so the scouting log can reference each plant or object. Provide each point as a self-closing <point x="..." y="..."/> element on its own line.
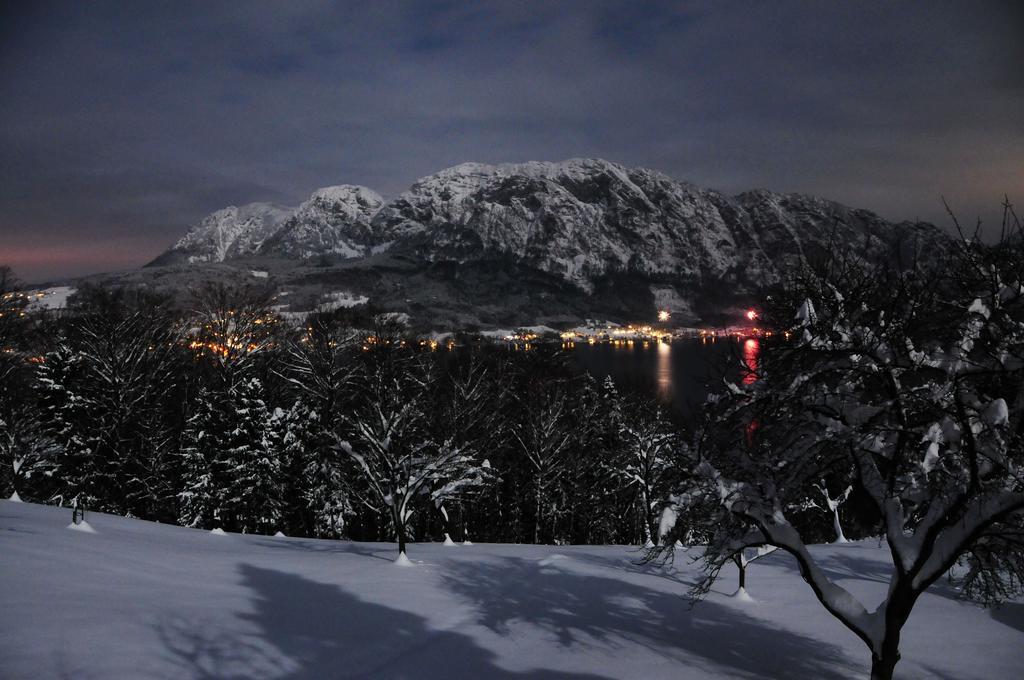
<point x="751" y="349"/>
<point x="680" y="373"/>
<point x="664" y="370"/>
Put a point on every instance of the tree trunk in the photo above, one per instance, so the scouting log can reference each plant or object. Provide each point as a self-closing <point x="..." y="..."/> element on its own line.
<point x="840" y="538"/>
<point x="882" y="668"/>
<point x="645" y="507"/>
<point x="738" y="559"/>
<point x="537" y="518"/>
<point x="396" y="515"/>
<point x="901" y="601"/>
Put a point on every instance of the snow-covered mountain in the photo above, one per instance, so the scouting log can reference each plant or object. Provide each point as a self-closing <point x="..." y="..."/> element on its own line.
<point x="227" y="234"/>
<point x="578" y="221"/>
<point x="334" y="221"/>
<point x="582" y="219"/>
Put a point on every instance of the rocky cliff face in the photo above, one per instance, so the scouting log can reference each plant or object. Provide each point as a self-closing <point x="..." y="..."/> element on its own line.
<point x="580" y="220"/>
<point x="334" y="221"/>
<point x="583" y="219"/>
<point x="227" y="234"/>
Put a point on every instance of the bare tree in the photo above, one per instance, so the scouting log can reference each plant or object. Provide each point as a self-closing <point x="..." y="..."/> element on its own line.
<point x="916" y="379"/>
<point x="102" y="389"/>
<point x="649" y="443"/>
<point x="832" y="506"/>
<point x="389" y="445"/>
<point x="467" y="417"/>
<point x="543" y="437"/>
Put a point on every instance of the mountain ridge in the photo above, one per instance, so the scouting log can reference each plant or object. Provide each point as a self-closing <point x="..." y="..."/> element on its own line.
<point x="580" y="221"/>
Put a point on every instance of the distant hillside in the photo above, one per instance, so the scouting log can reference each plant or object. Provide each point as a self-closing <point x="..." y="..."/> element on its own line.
<point x="542" y="239"/>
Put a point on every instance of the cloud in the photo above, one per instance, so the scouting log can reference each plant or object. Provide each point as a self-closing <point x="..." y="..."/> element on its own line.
<point x="138" y="119"/>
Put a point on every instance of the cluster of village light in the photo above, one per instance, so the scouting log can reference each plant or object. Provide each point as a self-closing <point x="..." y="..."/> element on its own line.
<point x="16" y="295"/>
<point x="231" y="339"/>
<point x="612" y="334"/>
<point x="27" y="297"/>
<point x="432" y="344"/>
<point x="710" y="335"/>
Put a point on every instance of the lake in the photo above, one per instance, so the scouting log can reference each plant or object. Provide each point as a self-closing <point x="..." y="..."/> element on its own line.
<point x="680" y="373"/>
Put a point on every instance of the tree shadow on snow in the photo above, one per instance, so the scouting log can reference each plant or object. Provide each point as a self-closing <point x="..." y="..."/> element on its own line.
<point x="583" y="609"/>
<point x="841" y="565"/>
<point x="675" y="570"/>
<point x="1010" y="614"/>
<point x="303" y="629"/>
<point x="387" y="554"/>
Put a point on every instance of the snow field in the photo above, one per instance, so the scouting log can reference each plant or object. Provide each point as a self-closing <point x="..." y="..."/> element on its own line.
<point x="138" y="599"/>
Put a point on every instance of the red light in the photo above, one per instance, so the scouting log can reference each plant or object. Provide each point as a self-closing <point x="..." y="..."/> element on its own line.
<point x="751" y="314"/>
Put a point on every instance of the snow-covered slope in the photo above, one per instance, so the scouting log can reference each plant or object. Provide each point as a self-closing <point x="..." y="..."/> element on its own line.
<point x="334" y="221"/>
<point x="583" y="218"/>
<point x="142" y="600"/>
<point x="581" y="237"/>
<point x="228" y="233"/>
<point x="579" y="220"/>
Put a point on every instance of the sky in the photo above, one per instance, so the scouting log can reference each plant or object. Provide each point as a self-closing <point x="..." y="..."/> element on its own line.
<point x="123" y="123"/>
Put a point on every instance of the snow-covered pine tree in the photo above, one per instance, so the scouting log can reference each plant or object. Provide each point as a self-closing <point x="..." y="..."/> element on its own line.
<point x="319" y="367"/>
<point x="251" y="463"/>
<point x="231" y="462"/>
<point x="199" y="497"/>
<point x="232" y="444"/>
<point x="316" y="489"/>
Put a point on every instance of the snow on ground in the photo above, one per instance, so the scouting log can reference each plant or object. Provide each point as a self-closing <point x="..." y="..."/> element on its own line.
<point x="400" y="318"/>
<point x="49" y="298"/>
<point x="144" y="600"/>
<point x="259" y="273"/>
<point x="341" y="299"/>
<point x="509" y="333"/>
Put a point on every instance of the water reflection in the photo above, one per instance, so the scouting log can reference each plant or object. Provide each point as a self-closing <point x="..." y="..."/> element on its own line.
<point x="680" y="373"/>
<point x="663" y="375"/>
<point x="751" y="350"/>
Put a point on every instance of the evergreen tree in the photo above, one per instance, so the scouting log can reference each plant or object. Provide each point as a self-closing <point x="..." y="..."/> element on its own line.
<point x="319" y="366"/>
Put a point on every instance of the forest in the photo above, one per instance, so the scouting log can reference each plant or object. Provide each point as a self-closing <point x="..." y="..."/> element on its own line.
<point x="892" y="407"/>
<point x="223" y="415"/>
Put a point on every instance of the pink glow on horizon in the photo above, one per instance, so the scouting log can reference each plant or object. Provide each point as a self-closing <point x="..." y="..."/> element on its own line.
<point x="35" y="262"/>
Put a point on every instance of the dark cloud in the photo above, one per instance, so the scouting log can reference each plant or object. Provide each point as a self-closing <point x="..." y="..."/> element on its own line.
<point x="124" y="122"/>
